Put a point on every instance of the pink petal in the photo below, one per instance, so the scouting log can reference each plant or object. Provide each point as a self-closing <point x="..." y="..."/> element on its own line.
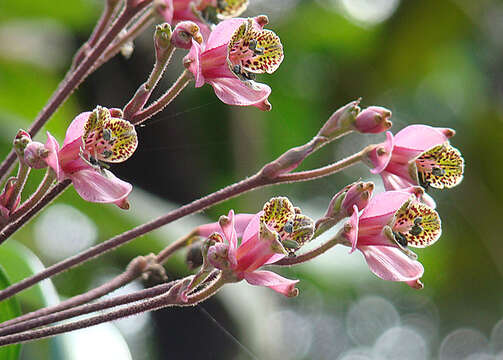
<point x="223" y="32"/>
<point x="233" y="91"/>
<point x="380" y="161"/>
<point x="241" y="221"/>
<point x="352" y="234"/>
<point x="274" y="281"/>
<point x="192" y="62"/>
<point x="52" y="159"/>
<point x="231" y="236"/>
<point x="94" y="186"/>
<point x="419" y="137"/>
<point x="384" y="204"/>
<point x="393" y="182"/>
<point x="76" y="128"/>
<point x="252" y="228"/>
<point x="391" y="264"/>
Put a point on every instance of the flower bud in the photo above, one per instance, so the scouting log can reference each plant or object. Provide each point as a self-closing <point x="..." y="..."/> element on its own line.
<point x="21" y="140"/>
<point x="162" y="37"/>
<point x="341" y="121"/>
<point x="373" y="120"/>
<point x="218" y="256"/>
<point x="357" y="193"/>
<point x="35" y="154"/>
<point x="5" y="198"/>
<point x="183" y="34"/>
<point x="354" y="196"/>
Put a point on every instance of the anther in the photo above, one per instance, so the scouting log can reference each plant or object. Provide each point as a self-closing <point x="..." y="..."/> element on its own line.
<point x="418" y="220"/>
<point x="400" y="238"/>
<point x="416" y="230"/>
<point x="438" y="171"/>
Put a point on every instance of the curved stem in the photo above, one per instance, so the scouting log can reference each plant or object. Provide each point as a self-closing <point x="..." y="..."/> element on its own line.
<point x="42" y="189"/>
<point x="51" y="195"/>
<point x="22" y="175"/>
<point x="141" y="24"/>
<point x="133" y="270"/>
<point x="41" y="320"/>
<point x="168" y="299"/>
<point x="288" y="261"/>
<point x="164" y="100"/>
<point x="100" y="27"/>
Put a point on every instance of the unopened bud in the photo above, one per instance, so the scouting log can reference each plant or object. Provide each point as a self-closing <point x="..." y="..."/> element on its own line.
<point x="183" y="34"/>
<point x="21" y="140"/>
<point x="373" y="120"/>
<point x="357" y="193"/>
<point x="218" y="256"/>
<point x="162" y="37"/>
<point x="35" y="154"/>
<point x="341" y="121"/>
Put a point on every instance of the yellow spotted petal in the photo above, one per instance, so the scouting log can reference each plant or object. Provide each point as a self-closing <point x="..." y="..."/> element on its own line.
<point x="254" y="51"/>
<point x="297" y="231"/>
<point x="277" y="212"/>
<point x="118" y="141"/>
<point x="231" y="8"/>
<point x="416" y="225"/>
<point x="440" y="167"/>
<point x="95" y="123"/>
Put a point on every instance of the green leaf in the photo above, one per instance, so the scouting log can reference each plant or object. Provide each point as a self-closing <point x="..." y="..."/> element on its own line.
<point x="8" y="309"/>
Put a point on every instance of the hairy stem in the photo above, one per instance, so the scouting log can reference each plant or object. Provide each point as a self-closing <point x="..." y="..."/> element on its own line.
<point x="51" y="195"/>
<point x="22" y="175"/>
<point x="164" y="100"/>
<point x="100" y="27"/>
<point x="144" y="21"/>
<point x="172" y="297"/>
<point x="42" y="189"/>
<point x="288" y="261"/>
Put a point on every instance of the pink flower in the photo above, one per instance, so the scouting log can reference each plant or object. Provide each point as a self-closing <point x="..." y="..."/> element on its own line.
<point x="418" y="155"/>
<point x="266" y="238"/>
<point x="235" y="51"/>
<point x="92" y="139"/>
<point x="391" y="222"/>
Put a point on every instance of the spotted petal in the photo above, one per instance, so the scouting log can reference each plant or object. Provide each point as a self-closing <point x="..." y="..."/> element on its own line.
<point x="94" y="123"/>
<point x="253" y="50"/>
<point x="231" y="8"/>
<point x="440" y="167"/>
<point x="297" y="231"/>
<point x="277" y="212"/>
<point x="417" y="224"/>
<point x="119" y="141"/>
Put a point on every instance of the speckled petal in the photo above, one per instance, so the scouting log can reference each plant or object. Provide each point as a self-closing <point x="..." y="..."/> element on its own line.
<point x="277" y="212"/>
<point x="440" y="167"/>
<point x="418" y="224"/>
<point x="255" y="51"/>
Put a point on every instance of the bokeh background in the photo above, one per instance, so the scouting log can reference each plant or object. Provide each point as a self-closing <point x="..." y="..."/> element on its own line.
<point x="434" y="62"/>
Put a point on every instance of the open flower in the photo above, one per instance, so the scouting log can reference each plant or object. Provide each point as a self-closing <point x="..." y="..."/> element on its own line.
<point x="235" y="51"/>
<point x="93" y="139"/>
<point x="391" y="222"/>
<point x="418" y="155"/>
<point x="268" y="236"/>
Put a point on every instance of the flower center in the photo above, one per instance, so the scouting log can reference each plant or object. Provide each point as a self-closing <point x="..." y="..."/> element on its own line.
<point x="253" y="51"/>
<point x="440" y="167"/>
<point x="108" y="139"/>
<point x="293" y="228"/>
<point x="416" y="224"/>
